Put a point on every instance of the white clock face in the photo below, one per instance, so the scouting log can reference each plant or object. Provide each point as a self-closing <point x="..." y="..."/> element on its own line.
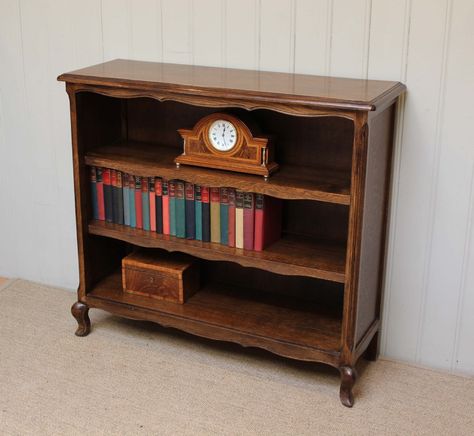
<point x="223" y="135"/>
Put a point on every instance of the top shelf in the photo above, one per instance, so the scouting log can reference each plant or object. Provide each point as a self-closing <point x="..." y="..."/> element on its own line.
<point x="290" y="182"/>
<point x="224" y="83"/>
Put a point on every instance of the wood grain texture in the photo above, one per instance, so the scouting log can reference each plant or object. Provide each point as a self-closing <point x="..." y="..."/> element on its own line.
<point x="305" y="332"/>
<point x="290" y="255"/>
<point x="319" y="91"/>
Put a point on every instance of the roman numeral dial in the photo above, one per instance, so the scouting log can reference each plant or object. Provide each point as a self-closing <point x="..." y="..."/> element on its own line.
<point x="222" y="135"/>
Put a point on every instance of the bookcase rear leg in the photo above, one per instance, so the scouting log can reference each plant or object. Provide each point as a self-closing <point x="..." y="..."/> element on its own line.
<point x="348" y="378"/>
<point x="372" y="351"/>
<point x="80" y="311"/>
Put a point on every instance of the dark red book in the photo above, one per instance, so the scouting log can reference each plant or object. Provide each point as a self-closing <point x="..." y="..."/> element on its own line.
<point x="231" y="226"/>
<point x="138" y="202"/>
<point x="249" y="220"/>
<point x="267" y="221"/>
<point x="100" y="194"/>
<point x="206" y="214"/>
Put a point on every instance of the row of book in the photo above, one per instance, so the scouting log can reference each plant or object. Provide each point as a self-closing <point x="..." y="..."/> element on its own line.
<point x="178" y="208"/>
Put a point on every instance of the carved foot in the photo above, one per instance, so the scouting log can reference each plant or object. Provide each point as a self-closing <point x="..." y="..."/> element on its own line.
<point x="348" y="378"/>
<point x="80" y="311"/>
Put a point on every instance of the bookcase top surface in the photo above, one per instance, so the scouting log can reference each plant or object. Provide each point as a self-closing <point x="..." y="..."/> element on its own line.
<point x="273" y="87"/>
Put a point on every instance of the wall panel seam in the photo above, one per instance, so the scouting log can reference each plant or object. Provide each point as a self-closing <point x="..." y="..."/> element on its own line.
<point x="434" y="178"/>
<point x="395" y="189"/>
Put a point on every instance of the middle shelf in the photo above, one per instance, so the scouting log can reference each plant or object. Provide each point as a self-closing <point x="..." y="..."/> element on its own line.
<point x="291" y="255"/>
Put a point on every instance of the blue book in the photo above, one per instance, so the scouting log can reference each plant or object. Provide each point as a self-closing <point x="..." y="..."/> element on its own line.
<point x="131" y="201"/>
<point x="95" y="203"/>
<point x="126" y="200"/>
<point x="198" y="211"/>
<point x="145" y="204"/>
<point x="172" y="197"/>
<point x="224" y="212"/>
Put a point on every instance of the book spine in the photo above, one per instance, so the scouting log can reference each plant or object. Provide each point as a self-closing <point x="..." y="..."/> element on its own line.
<point x="180" y="205"/>
<point x="131" y="192"/>
<point x="126" y="199"/>
<point x="145" y="204"/>
<point x="107" y="196"/>
<point x="151" y="193"/>
<point x="138" y="203"/>
<point x="159" y="204"/>
<point x="198" y="211"/>
<point x="119" y="191"/>
<point x="190" y="211"/>
<point x="215" y="216"/>
<point x="231" y="222"/>
<point x="268" y="216"/>
<point x="206" y="214"/>
<point x="259" y="222"/>
<point x="239" y="219"/>
<point x="172" y="207"/>
<point x="95" y="203"/>
<point x="115" y="205"/>
<point x="100" y="194"/>
<point x="165" y="199"/>
<point x="224" y="216"/>
<point x="249" y="220"/>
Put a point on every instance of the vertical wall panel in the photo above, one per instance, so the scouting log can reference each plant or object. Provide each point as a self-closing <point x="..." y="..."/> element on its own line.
<point x="350" y="38"/>
<point x="312" y="36"/>
<point x="207" y="34"/>
<point x="116" y="29"/>
<point x="241" y="33"/>
<point x="276" y="35"/>
<point x="146" y="43"/>
<point x="87" y="30"/>
<point x="406" y="288"/>
<point x="177" y="25"/>
<point x="451" y="219"/>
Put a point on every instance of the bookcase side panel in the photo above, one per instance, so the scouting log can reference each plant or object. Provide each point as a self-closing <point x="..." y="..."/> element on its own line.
<point x="377" y="180"/>
<point x="90" y="127"/>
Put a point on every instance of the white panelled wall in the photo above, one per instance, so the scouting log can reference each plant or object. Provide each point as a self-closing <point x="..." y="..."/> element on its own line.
<point x="427" y="44"/>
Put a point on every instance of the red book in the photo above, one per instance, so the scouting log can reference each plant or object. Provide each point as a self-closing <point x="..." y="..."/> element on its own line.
<point x="231" y="227"/>
<point x="100" y="195"/>
<point x="166" y="207"/>
<point x="249" y="220"/>
<point x="267" y="221"/>
<point x="151" y="191"/>
<point x="138" y="202"/>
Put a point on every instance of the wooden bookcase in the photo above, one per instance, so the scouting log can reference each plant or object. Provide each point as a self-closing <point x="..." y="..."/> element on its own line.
<point x="315" y="294"/>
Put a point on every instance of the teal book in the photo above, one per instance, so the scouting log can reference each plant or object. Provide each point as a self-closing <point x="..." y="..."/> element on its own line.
<point x="145" y="204"/>
<point x="180" y="206"/>
<point x="224" y="216"/>
<point x="172" y="200"/>
<point x="131" y="201"/>
<point x="198" y="211"/>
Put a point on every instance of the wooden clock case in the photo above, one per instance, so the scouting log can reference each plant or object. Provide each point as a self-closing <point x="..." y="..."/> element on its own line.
<point x="251" y="154"/>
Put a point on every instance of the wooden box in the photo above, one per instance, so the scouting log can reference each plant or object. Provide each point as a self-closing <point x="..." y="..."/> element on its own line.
<point x="171" y="276"/>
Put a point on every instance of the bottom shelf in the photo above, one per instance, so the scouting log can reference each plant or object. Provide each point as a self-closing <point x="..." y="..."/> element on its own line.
<point x="285" y="326"/>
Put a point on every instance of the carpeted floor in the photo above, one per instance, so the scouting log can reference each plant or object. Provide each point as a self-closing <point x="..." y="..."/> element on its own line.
<point x="135" y="378"/>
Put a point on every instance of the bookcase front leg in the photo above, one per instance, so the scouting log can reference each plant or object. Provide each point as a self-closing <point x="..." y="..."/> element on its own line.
<point x="80" y="311"/>
<point x="348" y="378"/>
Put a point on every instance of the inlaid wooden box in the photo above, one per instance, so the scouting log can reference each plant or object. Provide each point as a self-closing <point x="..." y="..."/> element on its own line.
<point x="171" y="276"/>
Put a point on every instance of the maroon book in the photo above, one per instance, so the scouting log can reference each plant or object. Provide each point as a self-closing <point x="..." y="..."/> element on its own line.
<point x="267" y="221"/>
<point x="249" y="220"/>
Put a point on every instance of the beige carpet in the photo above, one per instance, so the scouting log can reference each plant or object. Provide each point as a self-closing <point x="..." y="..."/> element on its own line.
<point x="135" y="378"/>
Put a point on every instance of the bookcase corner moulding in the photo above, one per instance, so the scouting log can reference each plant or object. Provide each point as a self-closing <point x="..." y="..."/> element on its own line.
<point x="312" y="295"/>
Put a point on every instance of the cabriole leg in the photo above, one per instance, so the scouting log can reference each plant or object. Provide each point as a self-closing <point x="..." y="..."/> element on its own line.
<point x="348" y="378"/>
<point x="80" y="311"/>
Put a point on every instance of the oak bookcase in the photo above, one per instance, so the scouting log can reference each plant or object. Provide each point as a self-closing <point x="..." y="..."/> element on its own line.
<point x="315" y="294"/>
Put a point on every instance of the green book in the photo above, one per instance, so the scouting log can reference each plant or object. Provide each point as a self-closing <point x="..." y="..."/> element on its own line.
<point x="198" y="212"/>
<point x="180" y="206"/>
<point x="172" y="197"/>
<point x="224" y="216"/>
